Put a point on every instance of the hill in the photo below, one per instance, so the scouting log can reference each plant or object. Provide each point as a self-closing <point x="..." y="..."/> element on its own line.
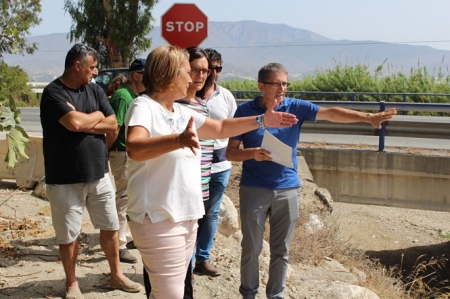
<point x="248" y="45"/>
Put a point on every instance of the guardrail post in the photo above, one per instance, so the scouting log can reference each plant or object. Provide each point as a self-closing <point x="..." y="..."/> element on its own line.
<point x="404" y="96"/>
<point x="382" y="133"/>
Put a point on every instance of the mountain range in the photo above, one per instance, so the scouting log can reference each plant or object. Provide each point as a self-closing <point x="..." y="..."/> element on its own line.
<point x="247" y="45"/>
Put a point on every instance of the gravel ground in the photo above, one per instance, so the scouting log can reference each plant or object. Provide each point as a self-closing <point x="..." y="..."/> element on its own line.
<point x="30" y="267"/>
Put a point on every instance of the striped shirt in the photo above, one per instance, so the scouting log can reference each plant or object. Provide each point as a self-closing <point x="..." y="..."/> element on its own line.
<point x="207" y="145"/>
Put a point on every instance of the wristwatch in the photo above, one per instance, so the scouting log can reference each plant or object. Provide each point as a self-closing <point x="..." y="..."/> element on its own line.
<point x="260" y="121"/>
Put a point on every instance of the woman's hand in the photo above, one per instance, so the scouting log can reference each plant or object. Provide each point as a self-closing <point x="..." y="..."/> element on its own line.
<point x="189" y="137"/>
<point x="275" y="119"/>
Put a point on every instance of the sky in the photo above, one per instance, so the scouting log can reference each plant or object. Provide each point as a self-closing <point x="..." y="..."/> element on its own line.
<point x="417" y="22"/>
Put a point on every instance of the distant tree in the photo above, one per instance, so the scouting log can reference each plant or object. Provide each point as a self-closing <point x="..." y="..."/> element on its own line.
<point x="14" y="85"/>
<point x="16" y="19"/>
<point x="115" y="28"/>
<point x="13" y="88"/>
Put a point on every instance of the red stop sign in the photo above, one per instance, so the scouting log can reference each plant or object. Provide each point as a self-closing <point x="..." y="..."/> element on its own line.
<point x="184" y="25"/>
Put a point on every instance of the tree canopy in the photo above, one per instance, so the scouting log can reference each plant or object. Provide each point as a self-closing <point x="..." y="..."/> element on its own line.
<point x="16" y="19"/>
<point x="117" y="29"/>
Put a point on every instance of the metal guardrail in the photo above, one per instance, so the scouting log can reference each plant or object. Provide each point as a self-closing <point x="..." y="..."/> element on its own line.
<point x="375" y="106"/>
<point x="352" y="94"/>
<point x="353" y="104"/>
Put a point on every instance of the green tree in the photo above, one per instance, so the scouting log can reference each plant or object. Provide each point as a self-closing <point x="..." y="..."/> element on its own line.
<point x="16" y="19"/>
<point x="115" y="28"/>
<point x="15" y="85"/>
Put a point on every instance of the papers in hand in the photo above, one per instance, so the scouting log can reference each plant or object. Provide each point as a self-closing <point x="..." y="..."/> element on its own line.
<point x="280" y="152"/>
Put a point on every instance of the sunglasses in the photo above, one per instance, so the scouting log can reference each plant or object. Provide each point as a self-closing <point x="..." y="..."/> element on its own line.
<point x="218" y="69"/>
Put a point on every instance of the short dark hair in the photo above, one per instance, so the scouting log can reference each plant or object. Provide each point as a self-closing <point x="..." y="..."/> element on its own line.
<point x="214" y="55"/>
<point x="79" y="52"/>
<point x="196" y="53"/>
<point x="273" y="67"/>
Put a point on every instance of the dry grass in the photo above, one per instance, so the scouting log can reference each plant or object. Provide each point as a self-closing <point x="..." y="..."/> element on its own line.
<point x="421" y="282"/>
<point x="16" y="229"/>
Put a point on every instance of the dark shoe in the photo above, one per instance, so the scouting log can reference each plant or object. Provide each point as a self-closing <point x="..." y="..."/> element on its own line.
<point x="206" y="268"/>
<point x="130" y="245"/>
<point x="126" y="257"/>
<point x="125" y="285"/>
<point x="74" y="293"/>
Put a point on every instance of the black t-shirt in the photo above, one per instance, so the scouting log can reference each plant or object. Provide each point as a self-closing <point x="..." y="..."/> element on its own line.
<point x="72" y="157"/>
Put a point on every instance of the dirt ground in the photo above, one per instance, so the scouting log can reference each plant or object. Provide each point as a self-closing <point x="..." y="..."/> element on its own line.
<point x="30" y="267"/>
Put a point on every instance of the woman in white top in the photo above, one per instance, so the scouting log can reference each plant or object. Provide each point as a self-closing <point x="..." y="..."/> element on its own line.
<point x="164" y="187"/>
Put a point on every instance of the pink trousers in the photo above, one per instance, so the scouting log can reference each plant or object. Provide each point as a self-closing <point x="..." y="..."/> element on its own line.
<point x="166" y="249"/>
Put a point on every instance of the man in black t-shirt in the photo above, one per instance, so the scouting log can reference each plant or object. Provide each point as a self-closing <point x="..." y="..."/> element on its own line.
<point x="75" y="116"/>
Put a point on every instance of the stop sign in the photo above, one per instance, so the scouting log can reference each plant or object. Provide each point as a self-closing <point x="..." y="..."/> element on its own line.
<point x="184" y="25"/>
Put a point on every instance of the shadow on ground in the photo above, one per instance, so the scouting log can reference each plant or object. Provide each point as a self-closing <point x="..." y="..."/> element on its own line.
<point x="428" y="264"/>
<point x="54" y="288"/>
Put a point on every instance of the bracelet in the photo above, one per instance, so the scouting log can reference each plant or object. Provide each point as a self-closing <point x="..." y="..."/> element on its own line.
<point x="260" y="121"/>
<point x="179" y="142"/>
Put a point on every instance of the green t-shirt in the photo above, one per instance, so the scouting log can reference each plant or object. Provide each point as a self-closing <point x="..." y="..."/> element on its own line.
<point x="120" y="101"/>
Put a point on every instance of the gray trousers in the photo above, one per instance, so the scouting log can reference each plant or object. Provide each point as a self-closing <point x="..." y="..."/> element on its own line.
<point x="282" y="208"/>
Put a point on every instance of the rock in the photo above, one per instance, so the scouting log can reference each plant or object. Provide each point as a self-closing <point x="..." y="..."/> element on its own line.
<point x="228" y="218"/>
<point x="40" y="190"/>
<point x="342" y="290"/>
<point x="326" y="198"/>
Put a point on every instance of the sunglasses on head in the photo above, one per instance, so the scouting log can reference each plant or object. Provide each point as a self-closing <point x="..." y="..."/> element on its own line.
<point x="218" y="69"/>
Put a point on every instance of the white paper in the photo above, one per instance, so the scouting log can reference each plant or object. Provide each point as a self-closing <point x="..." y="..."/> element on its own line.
<point x="280" y="152"/>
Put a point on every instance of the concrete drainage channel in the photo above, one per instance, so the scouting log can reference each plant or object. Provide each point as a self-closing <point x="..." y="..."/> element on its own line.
<point x="393" y="179"/>
<point x="28" y="172"/>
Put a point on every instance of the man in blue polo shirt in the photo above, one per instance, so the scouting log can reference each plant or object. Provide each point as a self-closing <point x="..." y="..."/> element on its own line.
<point x="272" y="190"/>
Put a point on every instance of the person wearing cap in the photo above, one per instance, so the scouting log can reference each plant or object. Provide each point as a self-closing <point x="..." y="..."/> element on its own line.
<point x="120" y="101"/>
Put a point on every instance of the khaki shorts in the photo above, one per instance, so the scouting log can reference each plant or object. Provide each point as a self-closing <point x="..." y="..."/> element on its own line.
<point x="68" y="202"/>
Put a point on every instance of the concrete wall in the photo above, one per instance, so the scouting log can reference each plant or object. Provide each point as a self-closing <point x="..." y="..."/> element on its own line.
<point x="386" y="178"/>
<point x="27" y="172"/>
<point x="355" y="176"/>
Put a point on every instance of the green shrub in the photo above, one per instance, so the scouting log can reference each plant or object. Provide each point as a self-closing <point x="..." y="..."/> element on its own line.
<point x="360" y="79"/>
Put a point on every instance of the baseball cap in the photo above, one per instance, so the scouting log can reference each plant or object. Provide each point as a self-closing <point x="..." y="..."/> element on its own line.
<point x="138" y="64"/>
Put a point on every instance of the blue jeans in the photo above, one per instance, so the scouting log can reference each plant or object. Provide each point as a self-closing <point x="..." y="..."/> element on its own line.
<point x="205" y="238"/>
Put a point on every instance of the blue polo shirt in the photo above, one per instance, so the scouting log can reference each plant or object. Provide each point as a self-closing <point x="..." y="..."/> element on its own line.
<point x="267" y="174"/>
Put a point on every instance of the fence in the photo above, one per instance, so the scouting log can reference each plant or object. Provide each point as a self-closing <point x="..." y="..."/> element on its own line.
<point x="402" y="107"/>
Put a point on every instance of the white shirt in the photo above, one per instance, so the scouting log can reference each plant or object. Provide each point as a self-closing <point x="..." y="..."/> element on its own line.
<point x="168" y="186"/>
<point x="221" y="105"/>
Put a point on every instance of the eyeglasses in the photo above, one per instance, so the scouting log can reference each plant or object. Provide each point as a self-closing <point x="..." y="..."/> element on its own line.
<point x="196" y="71"/>
<point x="218" y="69"/>
<point x="278" y="84"/>
<point x="140" y="72"/>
